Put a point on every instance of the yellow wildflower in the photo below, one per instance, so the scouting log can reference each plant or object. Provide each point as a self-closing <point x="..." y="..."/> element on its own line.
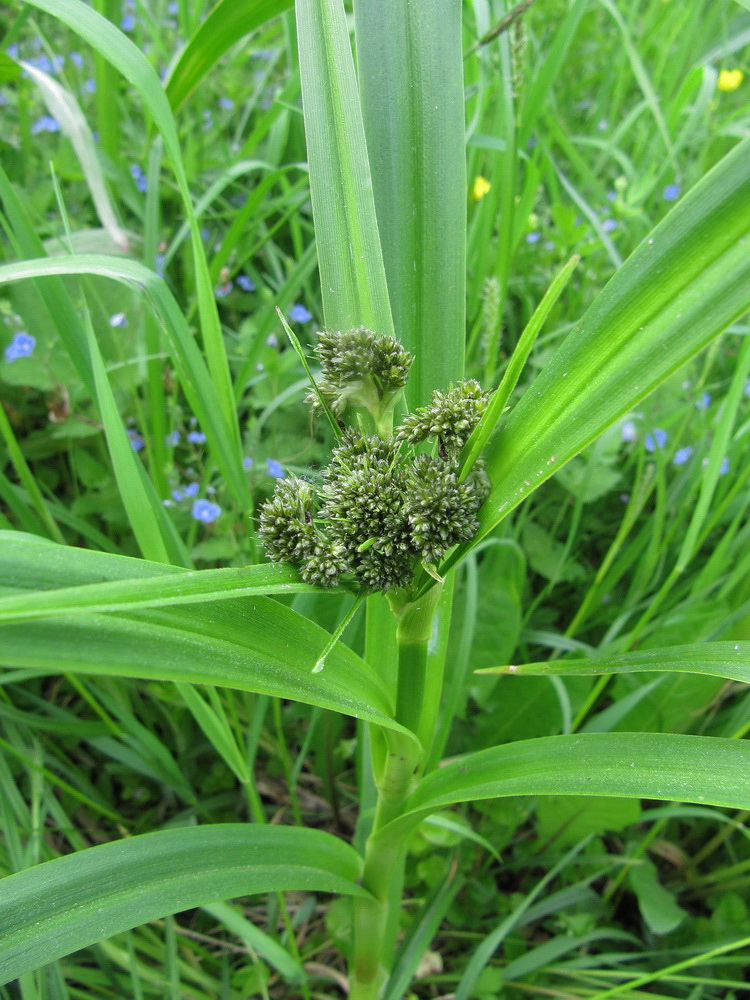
<point x="480" y="189"/>
<point x="730" y="79"/>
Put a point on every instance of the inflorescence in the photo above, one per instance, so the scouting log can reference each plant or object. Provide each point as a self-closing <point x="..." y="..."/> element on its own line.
<point x="385" y="505"/>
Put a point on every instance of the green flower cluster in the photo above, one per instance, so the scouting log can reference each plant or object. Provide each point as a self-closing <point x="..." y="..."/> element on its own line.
<point x="360" y="369"/>
<point x="382" y="509"/>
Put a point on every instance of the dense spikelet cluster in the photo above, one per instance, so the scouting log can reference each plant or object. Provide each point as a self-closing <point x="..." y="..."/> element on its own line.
<point x="360" y="369"/>
<point x="450" y="418"/>
<point x="382" y="509"/>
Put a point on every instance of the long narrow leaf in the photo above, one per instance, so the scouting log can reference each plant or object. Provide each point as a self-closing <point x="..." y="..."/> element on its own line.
<point x="67" y="904"/>
<point x="352" y="276"/>
<point x="643" y="765"/>
<point x="228" y="22"/>
<point x="411" y="76"/>
<point x="713" y="659"/>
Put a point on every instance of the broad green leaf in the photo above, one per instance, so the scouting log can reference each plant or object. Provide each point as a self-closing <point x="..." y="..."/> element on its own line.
<point x="714" y="659"/>
<point x="194" y="376"/>
<point x="410" y="64"/>
<point x="63" y="905"/>
<point x="658" y="906"/>
<point x="631" y="765"/>
<point x="352" y="276"/>
<point x="251" y="644"/>
<point x="685" y="284"/>
<point x="227" y="24"/>
<point x="566" y="819"/>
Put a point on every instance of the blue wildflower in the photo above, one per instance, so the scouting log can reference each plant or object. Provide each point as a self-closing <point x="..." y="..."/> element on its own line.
<point x="173" y="8"/>
<point x="533" y="237"/>
<point x="299" y="314"/>
<point x="76" y="58"/>
<point x="274" y="468"/>
<point x="245" y="283"/>
<point x="45" y="124"/>
<point x="136" y="441"/>
<point x="247" y="463"/>
<point x="747" y="387"/>
<point x="223" y="290"/>
<point x="178" y="495"/>
<point x="226" y="103"/>
<point x="89" y="85"/>
<point x="128" y="22"/>
<point x="44" y="63"/>
<point x="205" y="233"/>
<point x="704" y="402"/>
<point x="22" y="346"/>
<point x="628" y="431"/>
<point x="159" y="264"/>
<point x="272" y="340"/>
<point x="608" y="225"/>
<point x="671" y="192"/>
<point x="611" y="196"/>
<point x="118" y="319"/>
<point x="682" y="455"/>
<point x="141" y="181"/>
<point x="196" y="437"/>
<point x="191" y="490"/>
<point x="172" y="439"/>
<point x="655" y="439"/>
<point x="724" y="467"/>
<point x="205" y="511"/>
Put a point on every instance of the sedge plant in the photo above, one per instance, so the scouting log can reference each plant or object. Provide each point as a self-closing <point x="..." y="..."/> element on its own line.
<point x="425" y="465"/>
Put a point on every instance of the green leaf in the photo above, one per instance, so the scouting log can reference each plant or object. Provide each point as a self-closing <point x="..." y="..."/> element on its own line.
<point x="410" y="65"/>
<point x="260" y="942"/>
<point x="227" y="24"/>
<point x="630" y="765"/>
<point x="251" y="644"/>
<point x="159" y="591"/>
<point x="730" y="660"/>
<point x="566" y="820"/>
<point x="658" y="906"/>
<point x="63" y="905"/>
<point x="685" y="284"/>
<point x="352" y="276"/>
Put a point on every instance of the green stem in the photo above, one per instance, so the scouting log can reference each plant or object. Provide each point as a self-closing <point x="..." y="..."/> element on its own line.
<point x="415" y="623"/>
<point x="376" y="918"/>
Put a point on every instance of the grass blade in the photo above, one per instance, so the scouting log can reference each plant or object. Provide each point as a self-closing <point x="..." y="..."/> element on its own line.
<point x="730" y="660"/>
<point x="228" y="22"/>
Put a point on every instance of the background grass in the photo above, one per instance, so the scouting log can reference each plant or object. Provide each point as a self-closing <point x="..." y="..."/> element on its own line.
<point x="585" y="121"/>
